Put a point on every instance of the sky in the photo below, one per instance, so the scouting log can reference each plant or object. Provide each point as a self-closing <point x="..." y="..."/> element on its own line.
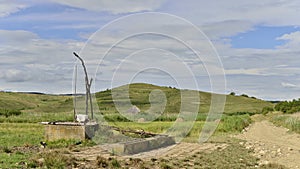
<point x="246" y="47"/>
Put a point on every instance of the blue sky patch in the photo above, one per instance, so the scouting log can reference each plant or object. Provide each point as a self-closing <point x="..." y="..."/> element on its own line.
<point x="261" y="37"/>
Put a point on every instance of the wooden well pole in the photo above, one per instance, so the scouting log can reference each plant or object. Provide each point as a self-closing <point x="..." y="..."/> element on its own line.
<point x="88" y="83"/>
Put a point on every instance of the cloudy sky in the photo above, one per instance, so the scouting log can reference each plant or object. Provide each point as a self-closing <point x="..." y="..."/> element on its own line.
<point x="256" y="44"/>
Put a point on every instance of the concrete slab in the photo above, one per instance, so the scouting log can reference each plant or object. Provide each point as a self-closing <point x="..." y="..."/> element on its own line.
<point x="141" y="145"/>
<point x="69" y="130"/>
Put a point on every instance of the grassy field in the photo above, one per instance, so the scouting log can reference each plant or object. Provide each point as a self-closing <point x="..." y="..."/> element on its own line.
<point x="18" y="140"/>
<point x="21" y="134"/>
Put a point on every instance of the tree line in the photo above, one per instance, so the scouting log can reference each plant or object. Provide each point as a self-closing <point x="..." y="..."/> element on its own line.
<point x="288" y="106"/>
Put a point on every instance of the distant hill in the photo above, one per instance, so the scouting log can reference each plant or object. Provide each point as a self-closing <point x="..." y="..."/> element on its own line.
<point x="35" y="102"/>
<point x="139" y="95"/>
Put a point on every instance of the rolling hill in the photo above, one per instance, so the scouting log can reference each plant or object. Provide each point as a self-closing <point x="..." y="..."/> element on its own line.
<point x="139" y="94"/>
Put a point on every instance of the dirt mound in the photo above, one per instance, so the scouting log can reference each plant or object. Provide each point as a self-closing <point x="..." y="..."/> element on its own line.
<point x="272" y="144"/>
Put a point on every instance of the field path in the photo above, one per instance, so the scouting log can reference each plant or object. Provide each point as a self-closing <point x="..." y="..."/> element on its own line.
<point x="272" y="144"/>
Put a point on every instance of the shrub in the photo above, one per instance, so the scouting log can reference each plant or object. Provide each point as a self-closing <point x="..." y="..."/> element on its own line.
<point x="288" y="106"/>
<point x="291" y="123"/>
<point x="240" y="113"/>
<point x="115" y="163"/>
<point x="234" y="123"/>
<point x="6" y="150"/>
<point x="244" y="95"/>
<point x="57" y="159"/>
<point x="266" y="110"/>
<point x="7" y="113"/>
<point x="165" y="166"/>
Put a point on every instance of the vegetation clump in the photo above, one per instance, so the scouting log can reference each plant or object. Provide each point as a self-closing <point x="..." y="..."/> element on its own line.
<point x="7" y="112"/>
<point x="292" y="123"/>
<point x="266" y="110"/>
<point x="288" y="106"/>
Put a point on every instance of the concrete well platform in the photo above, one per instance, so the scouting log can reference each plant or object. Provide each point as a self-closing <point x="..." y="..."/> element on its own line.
<point x="69" y="130"/>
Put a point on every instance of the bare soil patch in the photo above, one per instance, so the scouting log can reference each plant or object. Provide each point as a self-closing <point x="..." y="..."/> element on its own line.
<point x="179" y="150"/>
<point x="272" y="144"/>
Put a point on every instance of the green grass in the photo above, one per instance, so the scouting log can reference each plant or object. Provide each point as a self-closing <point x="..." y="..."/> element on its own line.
<point x="21" y="130"/>
<point x="35" y="117"/>
<point x="20" y="134"/>
<point x="228" y="124"/>
<point x="139" y="96"/>
<point x="292" y="123"/>
<point x="39" y="107"/>
<point x="35" y="108"/>
<point x="13" y="160"/>
<point x="35" y="102"/>
<point x="234" y="123"/>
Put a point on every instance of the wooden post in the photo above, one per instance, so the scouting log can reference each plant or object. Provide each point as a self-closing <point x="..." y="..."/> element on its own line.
<point x="75" y="92"/>
<point x="87" y="87"/>
<point x="91" y="103"/>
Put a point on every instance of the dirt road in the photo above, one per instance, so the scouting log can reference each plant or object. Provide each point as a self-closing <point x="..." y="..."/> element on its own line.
<point x="273" y="144"/>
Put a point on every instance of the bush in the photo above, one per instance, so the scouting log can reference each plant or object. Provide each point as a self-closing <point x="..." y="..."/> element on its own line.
<point x="234" y="123"/>
<point x="291" y="123"/>
<point x="115" y="163"/>
<point x="57" y="159"/>
<point x="266" y="110"/>
<point x="244" y="95"/>
<point x="6" y="150"/>
<point x="240" y="113"/>
<point x="7" y="113"/>
<point x="167" y="117"/>
<point x="165" y="166"/>
<point x="288" y="106"/>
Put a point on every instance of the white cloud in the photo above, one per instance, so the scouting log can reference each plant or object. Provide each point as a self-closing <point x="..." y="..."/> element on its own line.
<point x="116" y="6"/>
<point x="293" y="40"/>
<point x="288" y="85"/>
<point x="242" y="71"/>
<point x="18" y="36"/>
<point x="226" y="28"/>
<point x="15" y="75"/>
<point x="258" y="12"/>
<point x="36" y="63"/>
<point x="8" y="7"/>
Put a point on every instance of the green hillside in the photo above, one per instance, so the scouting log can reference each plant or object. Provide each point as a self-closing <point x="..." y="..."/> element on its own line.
<point x="42" y="107"/>
<point x="35" y="107"/>
<point x="139" y="96"/>
<point x="35" y="102"/>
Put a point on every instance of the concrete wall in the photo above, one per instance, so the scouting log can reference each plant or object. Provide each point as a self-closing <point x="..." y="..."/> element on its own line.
<point x="138" y="146"/>
<point x="77" y="132"/>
